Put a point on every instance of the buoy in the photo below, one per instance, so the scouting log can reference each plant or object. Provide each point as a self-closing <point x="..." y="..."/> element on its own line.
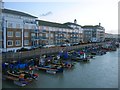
<point x="69" y="65"/>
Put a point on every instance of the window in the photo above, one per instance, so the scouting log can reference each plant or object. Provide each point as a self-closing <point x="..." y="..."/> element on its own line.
<point x="50" y="28"/>
<point x="10" y="25"/>
<point x="26" y="26"/>
<point x="0" y="35"/>
<point x="56" y="34"/>
<point x="10" y="43"/>
<point x="32" y="34"/>
<point x="65" y="35"/>
<point x="0" y="25"/>
<point x="18" y="34"/>
<point x="17" y="42"/>
<point x="47" y="34"/>
<point x="1" y="44"/>
<point x="51" y="34"/>
<point x="17" y="25"/>
<point x="40" y="35"/>
<point x="26" y="34"/>
<point x="44" y="27"/>
<point x="26" y="42"/>
<point x="32" y="27"/>
<point x="10" y="34"/>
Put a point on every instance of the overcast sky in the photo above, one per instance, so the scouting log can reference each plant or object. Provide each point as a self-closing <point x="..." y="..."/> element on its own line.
<point x="87" y="12"/>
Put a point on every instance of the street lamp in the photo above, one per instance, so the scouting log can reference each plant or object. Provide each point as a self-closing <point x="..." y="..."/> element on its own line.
<point x="20" y="56"/>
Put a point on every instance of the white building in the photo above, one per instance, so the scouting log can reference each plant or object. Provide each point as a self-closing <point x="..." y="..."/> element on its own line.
<point x="77" y="31"/>
<point x="93" y="33"/>
<point x="18" y="30"/>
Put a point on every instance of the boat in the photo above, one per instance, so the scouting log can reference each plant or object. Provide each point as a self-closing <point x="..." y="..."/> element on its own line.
<point x="20" y="83"/>
<point x="50" y="68"/>
<point x="63" y="63"/>
<point x="20" y="78"/>
<point x="80" y="57"/>
<point x="51" y="71"/>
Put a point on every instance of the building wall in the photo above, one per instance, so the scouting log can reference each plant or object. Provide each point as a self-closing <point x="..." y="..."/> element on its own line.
<point x="93" y="34"/>
<point x="13" y="38"/>
<point x="20" y="25"/>
<point x="1" y="33"/>
<point x="77" y="33"/>
<point x="53" y="35"/>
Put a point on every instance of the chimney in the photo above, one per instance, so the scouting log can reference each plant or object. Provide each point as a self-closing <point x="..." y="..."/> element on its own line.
<point x="75" y="21"/>
<point x="99" y="24"/>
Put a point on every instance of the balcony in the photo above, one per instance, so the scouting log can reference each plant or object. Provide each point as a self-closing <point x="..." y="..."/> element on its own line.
<point x="58" y="32"/>
<point x="44" y="31"/>
<point x="34" y="31"/>
<point x="44" y="38"/>
<point x="64" y="32"/>
<point x="34" y="37"/>
<point x="75" y="37"/>
<point x="62" y="38"/>
<point x="74" y="33"/>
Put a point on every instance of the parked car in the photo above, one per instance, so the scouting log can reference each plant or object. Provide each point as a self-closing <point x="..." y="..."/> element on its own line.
<point x="47" y="46"/>
<point x="22" y="49"/>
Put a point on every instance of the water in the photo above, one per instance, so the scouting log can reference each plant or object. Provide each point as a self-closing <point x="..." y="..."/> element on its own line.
<point x="101" y="72"/>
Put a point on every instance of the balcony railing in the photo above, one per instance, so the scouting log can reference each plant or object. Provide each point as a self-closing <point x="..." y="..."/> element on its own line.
<point x="58" y="32"/>
<point x="34" y="37"/>
<point x="35" y="31"/>
<point x="44" y="38"/>
<point x="44" y="31"/>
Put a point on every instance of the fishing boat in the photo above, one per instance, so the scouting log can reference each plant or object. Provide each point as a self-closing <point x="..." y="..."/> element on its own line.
<point x="50" y="68"/>
<point x="80" y="57"/>
<point x="20" y="78"/>
<point x="63" y="63"/>
<point x="17" y="81"/>
<point x="20" y="83"/>
<point x="51" y="71"/>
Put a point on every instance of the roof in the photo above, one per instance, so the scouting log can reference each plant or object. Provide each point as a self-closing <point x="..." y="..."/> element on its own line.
<point x="52" y="24"/>
<point x="69" y="23"/>
<point x="17" y="13"/>
<point x="93" y="27"/>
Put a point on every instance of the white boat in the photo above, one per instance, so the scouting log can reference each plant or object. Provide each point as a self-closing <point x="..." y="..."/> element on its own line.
<point x="51" y="71"/>
<point x="20" y="83"/>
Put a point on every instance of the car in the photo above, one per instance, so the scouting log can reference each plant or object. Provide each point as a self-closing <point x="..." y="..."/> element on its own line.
<point x="64" y="45"/>
<point x="47" y="46"/>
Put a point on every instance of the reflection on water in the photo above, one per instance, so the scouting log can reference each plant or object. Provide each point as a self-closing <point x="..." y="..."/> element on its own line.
<point x="100" y="72"/>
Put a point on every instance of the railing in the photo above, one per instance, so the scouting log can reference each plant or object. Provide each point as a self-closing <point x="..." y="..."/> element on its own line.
<point x="37" y="52"/>
<point x="34" y="37"/>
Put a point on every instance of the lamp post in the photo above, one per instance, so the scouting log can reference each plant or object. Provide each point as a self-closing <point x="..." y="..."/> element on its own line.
<point x="20" y="56"/>
<point x="5" y="41"/>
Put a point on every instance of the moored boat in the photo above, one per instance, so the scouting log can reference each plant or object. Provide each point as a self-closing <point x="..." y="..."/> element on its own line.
<point x="20" y="78"/>
<point x="50" y="68"/>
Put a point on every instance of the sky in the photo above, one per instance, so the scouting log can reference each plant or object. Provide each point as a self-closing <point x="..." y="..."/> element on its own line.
<point x="86" y="12"/>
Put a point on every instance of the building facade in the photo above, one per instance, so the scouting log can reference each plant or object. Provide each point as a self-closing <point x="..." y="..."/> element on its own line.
<point x="1" y="35"/>
<point x="77" y="32"/>
<point x="18" y="30"/>
<point x="22" y="30"/>
<point x="93" y="33"/>
<point x="51" y="33"/>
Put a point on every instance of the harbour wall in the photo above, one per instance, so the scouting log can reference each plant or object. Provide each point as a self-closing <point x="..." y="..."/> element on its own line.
<point x="40" y="51"/>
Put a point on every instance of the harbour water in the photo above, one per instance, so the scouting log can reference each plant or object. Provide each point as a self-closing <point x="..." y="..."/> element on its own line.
<point x="100" y="72"/>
